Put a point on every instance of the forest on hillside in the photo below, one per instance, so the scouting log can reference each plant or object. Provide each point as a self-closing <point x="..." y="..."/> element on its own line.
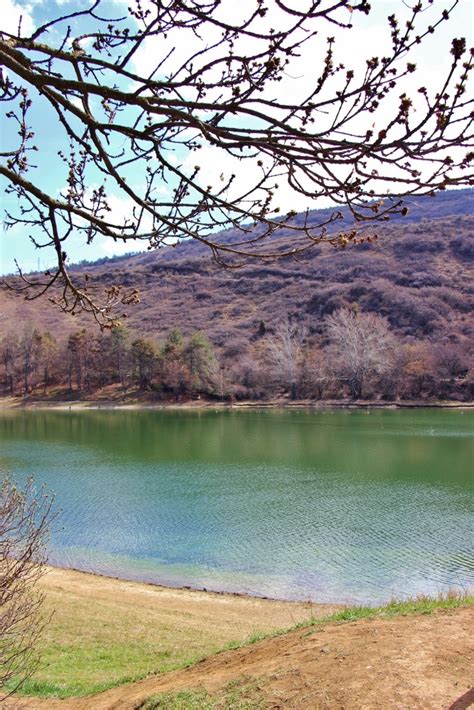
<point x="267" y="329"/>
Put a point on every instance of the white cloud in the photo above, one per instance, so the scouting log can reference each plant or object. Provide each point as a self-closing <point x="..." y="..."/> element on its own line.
<point x="370" y="35"/>
<point x="13" y="11"/>
<point x="368" y="38"/>
<point x="216" y="167"/>
<point x="110" y="248"/>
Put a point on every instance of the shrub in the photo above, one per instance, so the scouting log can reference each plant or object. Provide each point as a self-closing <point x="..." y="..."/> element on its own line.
<point x="25" y="516"/>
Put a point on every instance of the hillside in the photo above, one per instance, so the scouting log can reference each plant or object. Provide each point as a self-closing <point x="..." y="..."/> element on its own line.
<point x="418" y="275"/>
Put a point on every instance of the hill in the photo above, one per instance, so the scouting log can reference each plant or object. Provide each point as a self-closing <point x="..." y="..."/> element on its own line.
<point x="416" y="278"/>
<point x="418" y="274"/>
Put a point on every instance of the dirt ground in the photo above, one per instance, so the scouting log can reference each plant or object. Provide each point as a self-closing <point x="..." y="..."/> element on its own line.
<point x="423" y="662"/>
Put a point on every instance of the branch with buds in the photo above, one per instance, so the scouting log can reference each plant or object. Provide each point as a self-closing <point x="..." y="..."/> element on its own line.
<point x="356" y="136"/>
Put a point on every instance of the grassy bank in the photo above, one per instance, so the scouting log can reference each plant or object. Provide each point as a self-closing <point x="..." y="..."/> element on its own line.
<point x="106" y="632"/>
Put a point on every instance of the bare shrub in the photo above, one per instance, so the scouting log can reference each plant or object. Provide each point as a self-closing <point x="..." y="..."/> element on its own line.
<point x="25" y="517"/>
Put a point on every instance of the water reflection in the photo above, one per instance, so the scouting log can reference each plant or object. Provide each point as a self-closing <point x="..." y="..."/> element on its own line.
<point x="328" y="506"/>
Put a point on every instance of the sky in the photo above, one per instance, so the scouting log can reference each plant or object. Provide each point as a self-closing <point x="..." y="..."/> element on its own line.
<point x="366" y="39"/>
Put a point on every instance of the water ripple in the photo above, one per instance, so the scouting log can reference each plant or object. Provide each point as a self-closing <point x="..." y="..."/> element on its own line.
<point x="357" y="509"/>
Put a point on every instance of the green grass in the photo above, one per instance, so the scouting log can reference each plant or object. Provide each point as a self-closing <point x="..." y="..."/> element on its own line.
<point x="421" y="604"/>
<point x="69" y="672"/>
<point x="104" y="633"/>
<point x="85" y="651"/>
<point x="92" y="644"/>
<point x="240" y="694"/>
<point x="418" y="605"/>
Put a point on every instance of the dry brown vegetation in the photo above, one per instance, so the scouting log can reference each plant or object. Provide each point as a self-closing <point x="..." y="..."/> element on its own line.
<point x="418" y="277"/>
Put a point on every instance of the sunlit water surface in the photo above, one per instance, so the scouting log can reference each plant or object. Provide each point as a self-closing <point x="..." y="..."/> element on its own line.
<point x="330" y="506"/>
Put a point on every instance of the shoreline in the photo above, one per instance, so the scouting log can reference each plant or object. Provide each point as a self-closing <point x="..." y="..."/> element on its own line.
<point x="203" y="405"/>
<point x="209" y="592"/>
<point x="212" y="592"/>
<point x="189" y="588"/>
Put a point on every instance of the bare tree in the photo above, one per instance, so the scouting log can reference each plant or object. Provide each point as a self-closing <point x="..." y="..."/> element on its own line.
<point x="418" y="369"/>
<point x="49" y="359"/>
<point x="141" y="137"/>
<point x="285" y="352"/>
<point x="10" y="350"/>
<point x="30" y="350"/>
<point x="25" y="516"/>
<point x="314" y="373"/>
<point x="451" y="361"/>
<point x="361" y="344"/>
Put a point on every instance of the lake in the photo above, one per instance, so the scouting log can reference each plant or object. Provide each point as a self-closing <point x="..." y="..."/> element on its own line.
<point x="351" y="506"/>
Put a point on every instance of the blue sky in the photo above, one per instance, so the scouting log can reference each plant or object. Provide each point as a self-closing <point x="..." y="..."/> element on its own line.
<point x="361" y="42"/>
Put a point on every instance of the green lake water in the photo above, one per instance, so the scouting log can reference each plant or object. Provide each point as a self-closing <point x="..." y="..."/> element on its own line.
<point x="355" y="506"/>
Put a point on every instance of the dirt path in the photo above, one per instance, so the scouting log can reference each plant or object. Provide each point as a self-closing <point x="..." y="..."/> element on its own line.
<point x="420" y="662"/>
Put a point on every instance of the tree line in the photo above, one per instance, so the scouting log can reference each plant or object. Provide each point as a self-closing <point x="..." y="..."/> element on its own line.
<point x="358" y="356"/>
